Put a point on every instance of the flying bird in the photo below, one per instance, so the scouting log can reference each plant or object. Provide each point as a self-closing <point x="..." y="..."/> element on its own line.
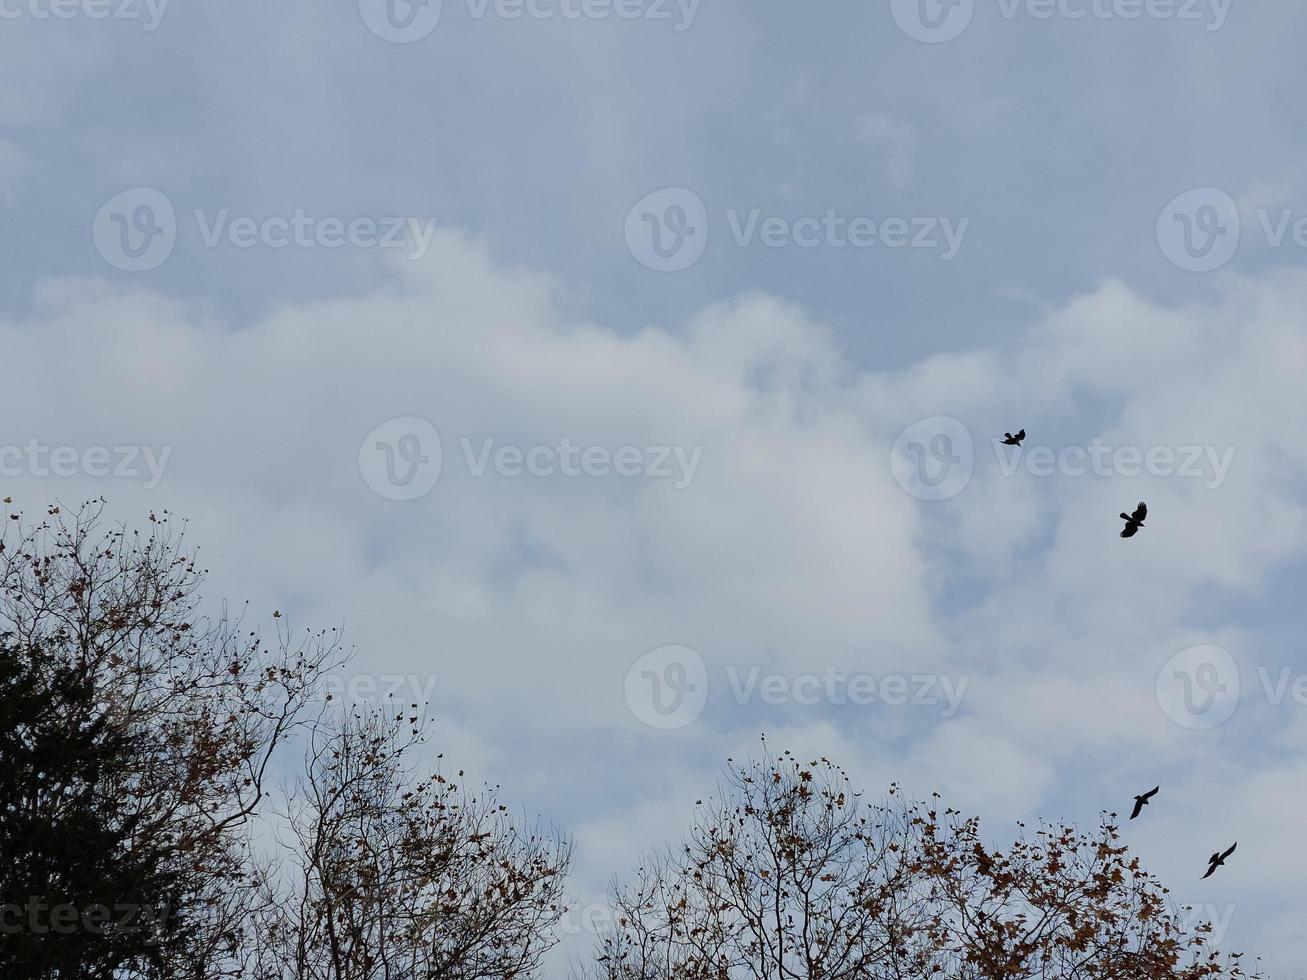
<point x="1133" y="522"/>
<point x="1218" y="859"/>
<point x="1014" y="440"/>
<point x="1142" y="801"/>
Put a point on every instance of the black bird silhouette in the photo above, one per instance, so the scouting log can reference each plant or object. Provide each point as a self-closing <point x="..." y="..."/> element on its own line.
<point x="1133" y="522"/>
<point x="1142" y="801"/>
<point x="1218" y="859"/>
<point x="1014" y="440"/>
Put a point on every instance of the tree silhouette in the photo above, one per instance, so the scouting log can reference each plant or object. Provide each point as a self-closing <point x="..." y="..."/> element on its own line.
<point x="790" y="875"/>
<point x="80" y="898"/>
<point x="136" y="742"/>
<point x="396" y="876"/>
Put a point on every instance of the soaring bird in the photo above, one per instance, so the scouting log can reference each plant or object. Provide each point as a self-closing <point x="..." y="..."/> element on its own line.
<point x="1218" y="859"/>
<point x="1014" y="440"/>
<point x="1142" y="801"/>
<point x="1133" y="522"/>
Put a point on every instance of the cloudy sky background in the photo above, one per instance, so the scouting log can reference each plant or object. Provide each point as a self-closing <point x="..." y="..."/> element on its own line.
<point x="1066" y="150"/>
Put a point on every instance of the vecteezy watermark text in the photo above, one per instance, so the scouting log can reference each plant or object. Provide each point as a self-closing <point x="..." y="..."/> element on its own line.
<point x="302" y="230"/>
<point x="668" y="230"/>
<point x="149" y="13"/>
<point x="406" y="21"/>
<point x="938" y="21"/>
<point x="34" y="458"/>
<point x="935" y="458"/>
<point x="403" y="458"/>
<point x="653" y="10"/>
<point x="1208" y="463"/>
<point x="1211" y="14"/>
<point x="38" y="917"/>
<point x="570" y="459"/>
<point x="380" y="689"/>
<point x="667" y="688"/>
<point x="137" y="230"/>
<point x="836" y="687"/>
<point x="835" y="230"/>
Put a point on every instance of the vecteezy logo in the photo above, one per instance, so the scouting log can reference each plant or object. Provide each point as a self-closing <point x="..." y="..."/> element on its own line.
<point x="135" y="231"/>
<point x="933" y="21"/>
<point x="1199" y="230"/>
<point x="933" y="459"/>
<point x="667" y="688"/>
<point x="667" y="231"/>
<point x="400" y="21"/>
<point x="1198" y="688"/>
<point x="401" y="459"/>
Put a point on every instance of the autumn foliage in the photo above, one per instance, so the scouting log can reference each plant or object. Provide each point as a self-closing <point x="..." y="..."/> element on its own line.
<point x="143" y="836"/>
<point x="396" y="875"/>
<point x="791" y="874"/>
<point x="141" y="833"/>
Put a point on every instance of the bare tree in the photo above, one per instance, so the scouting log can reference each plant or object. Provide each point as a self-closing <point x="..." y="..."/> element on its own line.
<point x="137" y="743"/>
<point x="176" y="718"/>
<point x="398" y="877"/>
<point x="790" y="875"/>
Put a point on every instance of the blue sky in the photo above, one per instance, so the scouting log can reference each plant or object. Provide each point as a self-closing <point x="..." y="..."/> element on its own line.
<point x="363" y="241"/>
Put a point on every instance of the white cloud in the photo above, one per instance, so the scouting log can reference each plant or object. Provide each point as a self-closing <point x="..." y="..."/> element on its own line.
<point x="793" y="548"/>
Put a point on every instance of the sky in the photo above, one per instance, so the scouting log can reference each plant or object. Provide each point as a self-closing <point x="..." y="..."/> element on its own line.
<point x="626" y="376"/>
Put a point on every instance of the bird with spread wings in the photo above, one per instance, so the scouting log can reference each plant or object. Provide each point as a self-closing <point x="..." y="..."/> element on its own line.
<point x="1141" y="801"/>
<point x="1218" y="859"/>
<point x="1133" y="522"/>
